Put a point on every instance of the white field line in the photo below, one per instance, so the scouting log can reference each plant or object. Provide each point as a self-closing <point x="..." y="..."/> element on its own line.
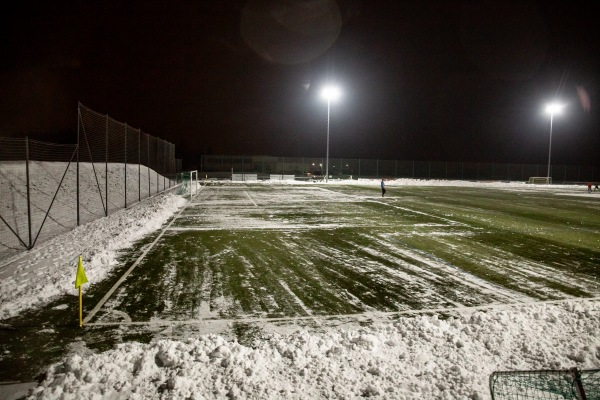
<point x="373" y="200"/>
<point x="375" y="314"/>
<point x="135" y="264"/>
<point x="253" y="202"/>
<point x="452" y="222"/>
<point x="265" y="227"/>
<point x="296" y="298"/>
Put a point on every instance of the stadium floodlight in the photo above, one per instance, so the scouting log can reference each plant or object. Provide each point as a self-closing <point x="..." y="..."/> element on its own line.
<point x="329" y="93"/>
<point x="552" y="108"/>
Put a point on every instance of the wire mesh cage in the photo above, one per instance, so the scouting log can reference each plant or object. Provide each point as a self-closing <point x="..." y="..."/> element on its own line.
<point x="545" y="385"/>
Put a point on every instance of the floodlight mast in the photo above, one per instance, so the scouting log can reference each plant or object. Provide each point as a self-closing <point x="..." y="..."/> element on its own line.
<point x="552" y="108"/>
<point x="329" y="93"/>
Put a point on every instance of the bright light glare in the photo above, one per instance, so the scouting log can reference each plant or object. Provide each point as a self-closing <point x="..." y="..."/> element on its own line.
<point x="554" y="108"/>
<point x="331" y="93"/>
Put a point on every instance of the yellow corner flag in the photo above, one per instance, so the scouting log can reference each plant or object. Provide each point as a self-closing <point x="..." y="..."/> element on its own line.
<point x="80" y="279"/>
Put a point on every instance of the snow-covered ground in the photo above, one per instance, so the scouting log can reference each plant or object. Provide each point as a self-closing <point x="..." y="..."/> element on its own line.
<point x="418" y="357"/>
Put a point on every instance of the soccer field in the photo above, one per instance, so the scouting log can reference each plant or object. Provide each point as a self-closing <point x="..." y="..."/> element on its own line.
<point x="247" y="260"/>
<point x="256" y="252"/>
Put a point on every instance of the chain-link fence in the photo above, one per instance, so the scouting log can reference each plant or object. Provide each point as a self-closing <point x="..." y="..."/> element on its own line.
<point x="222" y="166"/>
<point x="47" y="189"/>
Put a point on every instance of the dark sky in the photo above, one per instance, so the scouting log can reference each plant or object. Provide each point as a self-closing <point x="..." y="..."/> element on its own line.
<point x="424" y="80"/>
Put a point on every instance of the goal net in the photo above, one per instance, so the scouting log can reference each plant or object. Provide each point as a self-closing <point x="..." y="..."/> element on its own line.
<point x="545" y="384"/>
<point x="544" y="180"/>
<point x="189" y="183"/>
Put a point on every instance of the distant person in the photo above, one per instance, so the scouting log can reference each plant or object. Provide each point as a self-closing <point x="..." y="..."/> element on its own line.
<point x="590" y="187"/>
<point x="382" y="188"/>
<point x="596" y="187"/>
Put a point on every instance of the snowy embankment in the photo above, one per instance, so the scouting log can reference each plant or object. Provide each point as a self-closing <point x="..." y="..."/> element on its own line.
<point x="35" y="277"/>
<point x="412" y="358"/>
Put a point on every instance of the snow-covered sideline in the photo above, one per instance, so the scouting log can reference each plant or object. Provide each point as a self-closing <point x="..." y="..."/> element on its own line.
<point x="422" y="357"/>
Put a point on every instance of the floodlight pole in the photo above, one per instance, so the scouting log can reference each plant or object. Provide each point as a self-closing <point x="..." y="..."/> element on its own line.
<point x="327" y="153"/>
<point x="550" y="145"/>
<point x="552" y="108"/>
<point x="329" y="93"/>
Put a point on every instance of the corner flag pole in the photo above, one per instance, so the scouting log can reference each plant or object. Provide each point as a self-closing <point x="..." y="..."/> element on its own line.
<point x="80" y="308"/>
<point x="80" y="279"/>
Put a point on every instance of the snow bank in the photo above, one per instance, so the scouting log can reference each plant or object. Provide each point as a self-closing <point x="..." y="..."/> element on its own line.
<point x="412" y="358"/>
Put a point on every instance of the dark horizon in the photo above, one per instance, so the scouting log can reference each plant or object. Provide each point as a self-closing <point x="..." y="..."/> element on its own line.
<point x="422" y="80"/>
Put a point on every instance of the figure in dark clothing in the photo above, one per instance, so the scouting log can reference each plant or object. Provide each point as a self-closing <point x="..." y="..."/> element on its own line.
<point x="382" y="188"/>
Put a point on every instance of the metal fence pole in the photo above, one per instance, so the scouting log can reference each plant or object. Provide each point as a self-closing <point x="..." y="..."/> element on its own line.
<point x="106" y="169"/>
<point x="148" y="160"/>
<point x="78" y="147"/>
<point x="125" y="166"/>
<point x="28" y="192"/>
<point x="139" y="166"/>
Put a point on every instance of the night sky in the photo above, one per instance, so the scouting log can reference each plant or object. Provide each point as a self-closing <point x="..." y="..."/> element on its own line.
<point x="421" y="80"/>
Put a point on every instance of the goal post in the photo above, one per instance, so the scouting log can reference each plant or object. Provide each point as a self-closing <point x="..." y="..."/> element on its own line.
<point x="189" y="183"/>
<point x="541" y="180"/>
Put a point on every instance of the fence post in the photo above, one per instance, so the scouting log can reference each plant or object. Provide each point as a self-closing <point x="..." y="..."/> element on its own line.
<point x="106" y="168"/>
<point x="78" y="147"/>
<point x="139" y="166"/>
<point x="148" y="162"/>
<point x="28" y="194"/>
<point x="125" y="166"/>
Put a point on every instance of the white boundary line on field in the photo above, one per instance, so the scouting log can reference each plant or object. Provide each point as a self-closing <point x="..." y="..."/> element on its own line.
<point x="294" y="297"/>
<point x="253" y="202"/>
<point x="135" y="264"/>
<point x="371" y="314"/>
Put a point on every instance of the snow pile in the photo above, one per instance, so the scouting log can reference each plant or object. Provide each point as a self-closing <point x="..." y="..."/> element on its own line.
<point x="34" y="277"/>
<point x="421" y="357"/>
